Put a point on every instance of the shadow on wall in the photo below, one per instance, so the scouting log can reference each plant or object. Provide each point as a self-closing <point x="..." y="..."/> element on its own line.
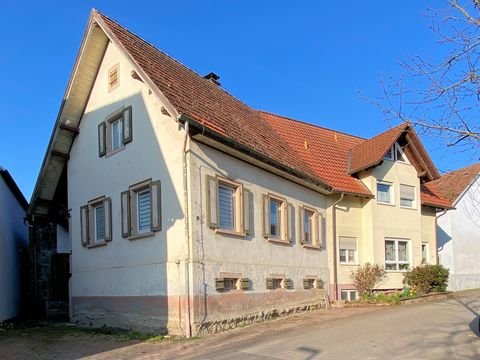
<point x="442" y="238"/>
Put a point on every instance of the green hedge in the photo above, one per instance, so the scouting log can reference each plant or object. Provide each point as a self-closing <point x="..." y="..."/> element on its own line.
<point x="427" y="278"/>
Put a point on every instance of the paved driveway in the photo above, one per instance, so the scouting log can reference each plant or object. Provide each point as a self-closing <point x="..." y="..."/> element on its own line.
<point x="445" y="329"/>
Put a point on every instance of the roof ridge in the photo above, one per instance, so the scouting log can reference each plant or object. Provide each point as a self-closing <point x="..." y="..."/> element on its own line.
<point x="310" y="124"/>
<point x="172" y="58"/>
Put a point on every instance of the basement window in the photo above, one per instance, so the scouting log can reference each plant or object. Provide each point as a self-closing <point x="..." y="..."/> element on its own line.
<point x="349" y="295"/>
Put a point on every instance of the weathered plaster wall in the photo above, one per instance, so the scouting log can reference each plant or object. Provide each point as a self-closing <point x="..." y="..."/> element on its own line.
<point x="459" y="239"/>
<point x="13" y="246"/>
<point x="126" y="282"/>
<point x="251" y="256"/>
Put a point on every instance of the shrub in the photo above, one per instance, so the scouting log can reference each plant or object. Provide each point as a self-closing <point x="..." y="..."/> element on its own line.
<point x="427" y="278"/>
<point x="366" y="277"/>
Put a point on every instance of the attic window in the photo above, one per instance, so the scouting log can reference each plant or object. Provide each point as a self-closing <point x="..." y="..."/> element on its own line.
<point x="395" y="153"/>
<point x="113" y="77"/>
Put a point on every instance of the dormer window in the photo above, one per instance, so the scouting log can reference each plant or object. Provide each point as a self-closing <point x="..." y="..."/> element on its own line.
<point x="395" y="153"/>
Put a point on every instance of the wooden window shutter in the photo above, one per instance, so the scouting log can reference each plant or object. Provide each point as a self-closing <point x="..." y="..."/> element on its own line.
<point x="269" y="283"/>
<point x="156" y="203"/>
<point x="302" y="224"/>
<point x="290" y="222"/>
<point x="102" y="139"/>
<point x="245" y="283"/>
<point x="212" y="201"/>
<point x="126" y="217"/>
<point x="247" y="211"/>
<point x="84" y="225"/>
<point x="288" y="283"/>
<point x="320" y="232"/>
<point x="107" y="203"/>
<point x="127" y="125"/>
<point x="266" y="216"/>
<point x="219" y="284"/>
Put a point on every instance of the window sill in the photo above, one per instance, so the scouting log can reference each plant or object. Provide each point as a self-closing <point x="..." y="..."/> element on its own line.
<point x="387" y="204"/>
<point x="396" y="271"/>
<point x="98" y="244"/>
<point x="348" y="264"/>
<point x="310" y="246"/>
<point x="113" y="152"/>
<point x="408" y="208"/>
<point x="278" y="241"/>
<point x="141" y="236"/>
<point x="230" y="232"/>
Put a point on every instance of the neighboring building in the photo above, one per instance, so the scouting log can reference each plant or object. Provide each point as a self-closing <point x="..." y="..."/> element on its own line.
<point x="13" y="247"/>
<point x="458" y="231"/>
<point x="191" y="211"/>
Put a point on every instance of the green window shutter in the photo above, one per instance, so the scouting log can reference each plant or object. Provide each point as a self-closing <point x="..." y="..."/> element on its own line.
<point x="245" y="284"/>
<point x="212" y="201"/>
<point x="84" y="226"/>
<point x="269" y="283"/>
<point x="126" y="217"/>
<point x="102" y="139"/>
<point x="107" y="203"/>
<point x="127" y="125"/>
<point x="219" y="284"/>
<point x="247" y="211"/>
<point x="266" y="216"/>
<point x="156" y="203"/>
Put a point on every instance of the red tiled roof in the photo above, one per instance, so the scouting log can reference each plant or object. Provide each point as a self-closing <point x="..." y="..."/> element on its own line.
<point x="431" y="196"/>
<point x="452" y="184"/>
<point x="371" y="152"/>
<point x="325" y="150"/>
<point x="318" y="153"/>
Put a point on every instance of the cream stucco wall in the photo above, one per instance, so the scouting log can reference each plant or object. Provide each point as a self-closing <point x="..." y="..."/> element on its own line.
<point x="105" y="279"/>
<point x="252" y="256"/>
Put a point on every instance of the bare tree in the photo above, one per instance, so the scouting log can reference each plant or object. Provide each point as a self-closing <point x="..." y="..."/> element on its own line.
<point x="442" y="96"/>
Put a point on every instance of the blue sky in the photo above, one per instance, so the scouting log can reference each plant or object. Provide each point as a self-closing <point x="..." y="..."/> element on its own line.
<point x="306" y="59"/>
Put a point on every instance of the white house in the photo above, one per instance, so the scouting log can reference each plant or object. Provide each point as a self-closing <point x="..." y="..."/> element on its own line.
<point x="13" y="246"/>
<point x="190" y="211"/>
<point x="459" y="230"/>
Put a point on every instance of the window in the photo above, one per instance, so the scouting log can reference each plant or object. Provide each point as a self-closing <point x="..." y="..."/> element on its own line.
<point x="99" y="222"/>
<point x="229" y="281"/>
<point x="141" y="209"/>
<point x="279" y="282"/>
<point x="115" y="132"/>
<point x="384" y="192"/>
<point x="349" y="295"/>
<point x="276" y="218"/>
<point x="113" y="77"/>
<point x="96" y="222"/>
<point x="348" y="250"/>
<point x="310" y="227"/>
<point x="309" y="283"/>
<point x="397" y="254"/>
<point x="395" y="153"/>
<point x="425" y="253"/>
<point x="407" y="196"/>
<point x="228" y="206"/>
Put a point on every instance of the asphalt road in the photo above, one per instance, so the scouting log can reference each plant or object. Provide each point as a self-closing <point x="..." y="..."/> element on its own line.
<point x="447" y="329"/>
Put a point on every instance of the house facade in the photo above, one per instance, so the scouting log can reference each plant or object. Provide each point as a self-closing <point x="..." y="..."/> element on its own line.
<point x="458" y="231"/>
<point x="192" y="212"/>
<point x="13" y="247"/>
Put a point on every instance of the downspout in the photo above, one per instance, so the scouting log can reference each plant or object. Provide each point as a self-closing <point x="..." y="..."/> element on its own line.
<point x="334" y="235"/>
<point x="187" y="233"/>
<point x="436" y="237"/>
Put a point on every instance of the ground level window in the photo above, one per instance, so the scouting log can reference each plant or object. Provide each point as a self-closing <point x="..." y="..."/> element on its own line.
<point x="309" y="283"/>
<point x="397" y="254"/>
<point x="349" y="295"/>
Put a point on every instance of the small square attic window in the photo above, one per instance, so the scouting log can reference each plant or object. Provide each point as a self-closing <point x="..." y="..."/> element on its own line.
<point x="113" y="77"/>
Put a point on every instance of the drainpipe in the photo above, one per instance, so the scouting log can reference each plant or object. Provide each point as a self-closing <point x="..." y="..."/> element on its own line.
<point x="436" y="238"/>
<point x="187" y="234"/>
<point x="334" y="235"/>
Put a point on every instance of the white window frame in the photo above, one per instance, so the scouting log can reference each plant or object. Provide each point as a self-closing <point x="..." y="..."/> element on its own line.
<point x="117" y="135"/>
<point x="135" y="190"/>
<point x="398" y="262"/>
<point x="349" y="292"/>
<point x="282" y="216"/>
<point x="95" y="207"/>
<point x="237" y="205"/>
<point x="393" y="151"/>
<point x="137" y="199"/>
<point x="349" y="253"/>
<point x="392" y="193"/>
